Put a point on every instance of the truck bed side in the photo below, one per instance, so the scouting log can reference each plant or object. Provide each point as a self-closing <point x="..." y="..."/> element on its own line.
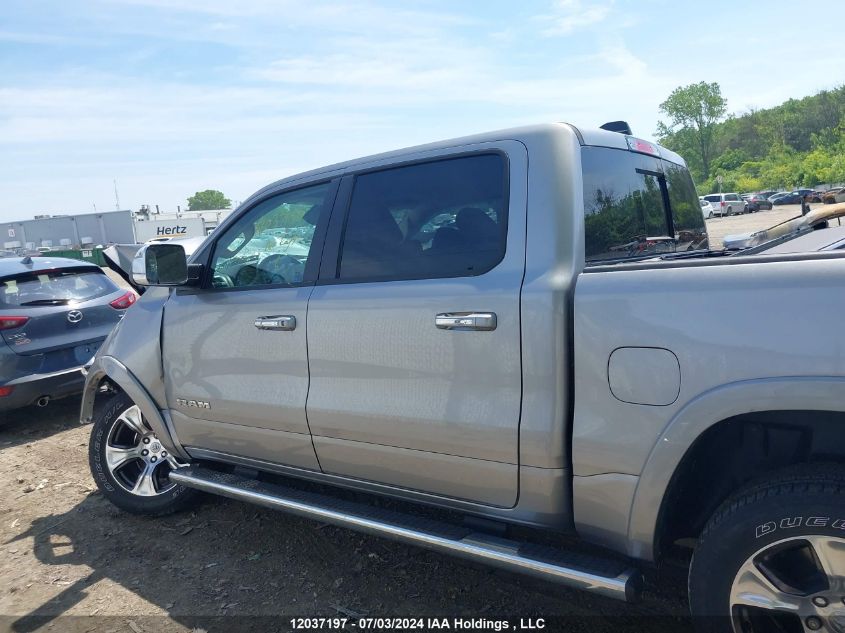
<point x="761" y="334"/>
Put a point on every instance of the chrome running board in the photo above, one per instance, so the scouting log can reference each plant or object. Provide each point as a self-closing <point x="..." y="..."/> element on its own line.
<point x="603" y="576"/>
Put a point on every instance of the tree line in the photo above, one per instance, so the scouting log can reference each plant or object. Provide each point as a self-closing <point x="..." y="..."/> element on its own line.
<point x="800" y="143"/>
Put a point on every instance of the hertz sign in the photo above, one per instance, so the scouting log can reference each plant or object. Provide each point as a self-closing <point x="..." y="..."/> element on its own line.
<point x="147" y="230"/>
<point x="172" y="230"/>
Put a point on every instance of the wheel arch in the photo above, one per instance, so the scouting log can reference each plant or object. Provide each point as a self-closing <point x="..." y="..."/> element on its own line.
<point x="108" y="368"/>
<point x="791" y="404"/>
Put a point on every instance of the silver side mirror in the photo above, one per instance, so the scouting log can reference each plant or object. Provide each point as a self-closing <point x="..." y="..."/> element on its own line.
<point x="160" y="264"/>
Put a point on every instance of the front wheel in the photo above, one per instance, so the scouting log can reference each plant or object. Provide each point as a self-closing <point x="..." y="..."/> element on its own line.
<point x="130" y="465"/>
<point x="772" y="558"/>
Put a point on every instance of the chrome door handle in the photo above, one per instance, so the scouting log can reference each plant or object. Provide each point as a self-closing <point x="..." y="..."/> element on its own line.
<point x="466" y="321"/>
<point x="279" y="322"/>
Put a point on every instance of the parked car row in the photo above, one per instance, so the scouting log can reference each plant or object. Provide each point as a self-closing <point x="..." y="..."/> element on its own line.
<point x="758" y="201"/>
<point x="832" y="196"/>
<point x="788" y="197"/>
<point x="721" y="204"/>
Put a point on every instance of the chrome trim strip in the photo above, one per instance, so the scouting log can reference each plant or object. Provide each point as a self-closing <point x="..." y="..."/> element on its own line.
<point x="625" y="586"/>
<point x="36" y="377"/>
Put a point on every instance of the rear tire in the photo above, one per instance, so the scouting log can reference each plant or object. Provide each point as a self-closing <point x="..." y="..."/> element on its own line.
<point x="772" y="557"/>
<point x="130" y="465"/>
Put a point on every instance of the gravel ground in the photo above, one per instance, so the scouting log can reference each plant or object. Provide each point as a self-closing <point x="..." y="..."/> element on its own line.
<point x="65" y="552"/>
<point x="718" y="228"/>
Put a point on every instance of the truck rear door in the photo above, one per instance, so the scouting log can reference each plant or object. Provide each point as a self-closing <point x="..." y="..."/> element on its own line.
<point x="414" y="326"/>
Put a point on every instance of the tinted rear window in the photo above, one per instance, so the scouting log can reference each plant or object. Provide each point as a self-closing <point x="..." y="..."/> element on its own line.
<point x="638" y="205"/>
<point x="446" y="218"/>
<point x="54" y="287"/>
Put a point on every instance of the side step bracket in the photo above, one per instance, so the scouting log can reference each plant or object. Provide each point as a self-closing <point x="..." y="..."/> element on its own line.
<point x="610" y="578"/>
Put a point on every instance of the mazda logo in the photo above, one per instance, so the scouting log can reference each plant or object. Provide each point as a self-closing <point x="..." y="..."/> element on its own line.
<point x="74" y="316"/>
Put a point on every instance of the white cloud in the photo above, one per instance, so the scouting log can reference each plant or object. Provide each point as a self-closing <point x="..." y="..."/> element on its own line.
<point x="569" y="16"/>
<point x="232" y="95"/>
<point x="325" y="16"/>
<point x="366" y="94"/>
<point x="23" y="37"/>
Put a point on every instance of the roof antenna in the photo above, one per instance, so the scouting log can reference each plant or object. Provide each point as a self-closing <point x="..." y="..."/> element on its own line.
<point x="27" y="261"/>
<point x="617" y="126"/>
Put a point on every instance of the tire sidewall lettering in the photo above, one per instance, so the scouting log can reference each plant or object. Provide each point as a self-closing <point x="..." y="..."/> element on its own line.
<point x="785" y="524"/>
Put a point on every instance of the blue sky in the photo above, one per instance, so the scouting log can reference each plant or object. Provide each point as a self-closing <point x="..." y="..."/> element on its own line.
<point x="174" y="96"/>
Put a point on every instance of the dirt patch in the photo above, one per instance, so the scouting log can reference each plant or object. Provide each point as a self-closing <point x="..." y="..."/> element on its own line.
<point x="65" y="551"/>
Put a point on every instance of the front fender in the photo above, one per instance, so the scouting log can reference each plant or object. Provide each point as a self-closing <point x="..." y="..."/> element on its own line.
<point x="159" y="421"/>
<point x="821" y="393"/>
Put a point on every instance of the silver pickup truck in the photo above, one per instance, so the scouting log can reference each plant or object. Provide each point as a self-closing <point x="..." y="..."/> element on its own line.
<point x="517" y="334"/>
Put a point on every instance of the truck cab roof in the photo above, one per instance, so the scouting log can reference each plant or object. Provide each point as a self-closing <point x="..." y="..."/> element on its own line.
<point x="594" y="137"/>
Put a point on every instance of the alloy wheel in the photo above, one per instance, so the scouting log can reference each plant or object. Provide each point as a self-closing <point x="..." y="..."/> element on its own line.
<point x="136" y="458"/>
<point x="793" y="585"/>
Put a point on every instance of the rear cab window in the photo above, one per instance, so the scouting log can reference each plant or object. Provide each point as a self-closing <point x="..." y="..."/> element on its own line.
<point x="638" y="205"/>
<point x="54" y="287"/>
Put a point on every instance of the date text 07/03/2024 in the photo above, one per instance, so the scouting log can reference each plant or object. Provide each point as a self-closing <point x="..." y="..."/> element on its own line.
<point x="419" y="624"/>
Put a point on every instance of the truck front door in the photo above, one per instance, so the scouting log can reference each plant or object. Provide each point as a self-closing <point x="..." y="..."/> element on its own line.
<point x="235" y="350"/>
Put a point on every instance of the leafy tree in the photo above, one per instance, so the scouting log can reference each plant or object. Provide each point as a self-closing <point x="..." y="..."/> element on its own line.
<point x="729" y="160"/>
<point x="684" y="142"/>
<point x="698" y="108"/>
<point x="208" y="200"/>
<point x="798" y="143"/>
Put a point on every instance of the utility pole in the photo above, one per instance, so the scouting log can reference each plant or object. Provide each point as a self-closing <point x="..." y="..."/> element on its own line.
<point x="116" y="197"/>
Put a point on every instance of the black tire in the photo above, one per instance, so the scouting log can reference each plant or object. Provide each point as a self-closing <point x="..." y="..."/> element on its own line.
<point x="173" y="497"/>
<point x="759" y="516"/>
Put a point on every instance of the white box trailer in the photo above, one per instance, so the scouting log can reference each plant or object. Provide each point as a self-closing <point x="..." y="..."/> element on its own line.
<point x="146" y="230"/>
